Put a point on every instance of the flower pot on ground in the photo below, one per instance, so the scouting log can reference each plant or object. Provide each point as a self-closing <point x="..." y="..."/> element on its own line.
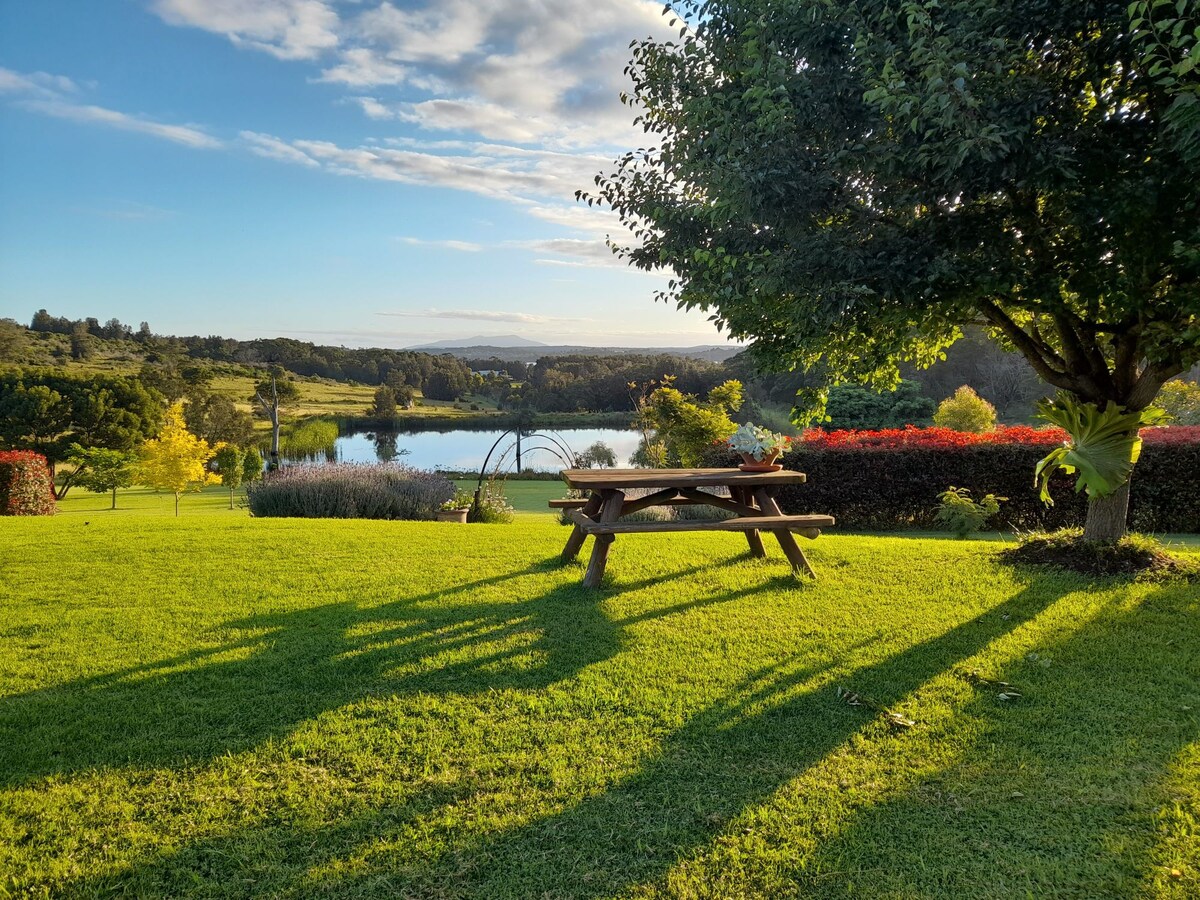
<point x="453" y="515"/>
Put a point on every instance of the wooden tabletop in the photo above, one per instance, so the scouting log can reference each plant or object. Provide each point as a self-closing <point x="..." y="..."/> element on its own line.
<point x="621" y="479"/>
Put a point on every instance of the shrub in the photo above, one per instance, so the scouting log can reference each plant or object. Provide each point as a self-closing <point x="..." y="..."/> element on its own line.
<point x="26" y="488"/>
<point x="350" y="491"/>
<point x="962" y="515"/>
<point x="493" y="508"/>
<point x="965" y="411"/>
<point x="1182" y="400"/>
<point x="855" y="406"/>
<point x="890" y="479"/>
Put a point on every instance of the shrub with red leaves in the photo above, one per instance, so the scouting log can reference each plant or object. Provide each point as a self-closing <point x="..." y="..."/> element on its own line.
<point x="888" y="479"/>
<point x="26" y="488"/>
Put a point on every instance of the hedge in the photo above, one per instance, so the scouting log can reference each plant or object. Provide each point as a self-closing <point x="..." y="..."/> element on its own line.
<point x="890" y="479"/>
<point x="349" y="491"/>
<point x="26" y="486"/>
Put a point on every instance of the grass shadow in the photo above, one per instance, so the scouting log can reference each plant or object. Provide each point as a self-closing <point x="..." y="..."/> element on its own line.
<point x="778" y="722"/>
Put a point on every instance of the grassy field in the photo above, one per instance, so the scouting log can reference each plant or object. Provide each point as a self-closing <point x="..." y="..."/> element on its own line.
<point x="219" y="706"/>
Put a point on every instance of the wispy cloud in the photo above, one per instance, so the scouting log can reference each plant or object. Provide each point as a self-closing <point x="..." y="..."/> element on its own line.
<point x="273" y="148"/>
<point x="481" y="315"/>
<point x="36" y="84"/>
<point x="187" y="135"/>
<point x="54" y="95"/>
<point x="464" y="246"/>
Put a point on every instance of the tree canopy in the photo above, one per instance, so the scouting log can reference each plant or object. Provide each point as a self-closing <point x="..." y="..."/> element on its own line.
<point x="848" y="186"/>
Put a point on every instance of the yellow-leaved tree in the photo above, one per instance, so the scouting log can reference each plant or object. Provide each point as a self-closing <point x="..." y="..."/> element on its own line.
<point x="177" y="460"/>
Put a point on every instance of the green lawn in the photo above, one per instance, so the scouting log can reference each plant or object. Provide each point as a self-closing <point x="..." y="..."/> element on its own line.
<point x="219" y="706"/>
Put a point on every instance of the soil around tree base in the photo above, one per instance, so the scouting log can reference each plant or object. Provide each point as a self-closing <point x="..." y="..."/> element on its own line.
<point x="1133" y="554"/>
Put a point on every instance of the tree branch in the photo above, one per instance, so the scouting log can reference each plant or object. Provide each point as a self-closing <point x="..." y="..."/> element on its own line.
<point x="1037" y="352"/>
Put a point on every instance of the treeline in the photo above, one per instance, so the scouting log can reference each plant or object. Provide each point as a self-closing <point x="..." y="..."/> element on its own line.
<point x="568" y="384"/>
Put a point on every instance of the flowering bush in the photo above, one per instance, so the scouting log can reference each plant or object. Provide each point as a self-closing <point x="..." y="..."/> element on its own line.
<point x="493" y="508"/>
<point x="756" y="441"/>
<point x="891" y="478"/>
<point x="965" y="411"/>
<point x="461" y="500"/>
<point x="26" y="488"/>
<point x="350" y="491"/>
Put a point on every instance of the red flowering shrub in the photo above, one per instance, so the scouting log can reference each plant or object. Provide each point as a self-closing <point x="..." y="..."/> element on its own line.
<point x="889" y="479"/>
<point x="26" y="488"/>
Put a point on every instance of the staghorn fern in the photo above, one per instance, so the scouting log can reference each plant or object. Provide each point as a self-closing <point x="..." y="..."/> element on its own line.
<point x="1103" y="448"/>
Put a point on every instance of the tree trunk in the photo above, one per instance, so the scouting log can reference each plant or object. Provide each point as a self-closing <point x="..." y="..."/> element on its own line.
<point x="231" y="498"/>
<point x="114" y="505"/>
<point x="1106" y="516"/>
<point x="177" y="506"/>
<point x="273" y="464"/>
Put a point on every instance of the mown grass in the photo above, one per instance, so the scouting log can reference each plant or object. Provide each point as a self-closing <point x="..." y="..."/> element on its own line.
<point x="229" y="707"/>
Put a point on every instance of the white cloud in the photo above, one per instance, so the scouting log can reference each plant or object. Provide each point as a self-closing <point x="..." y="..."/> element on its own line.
<point x="463" y="246"/>
<point x="481" y="315"/>
<point x="273" y="148"/>
<point x="287" y="29"/>
<point x="362" y="68"/>
<point x="490" y="120"/>
<point x="36" y="84"/>
<point x="181" y="134"/>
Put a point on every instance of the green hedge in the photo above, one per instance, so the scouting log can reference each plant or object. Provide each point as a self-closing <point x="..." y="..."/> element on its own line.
<point x="897" y="487"/>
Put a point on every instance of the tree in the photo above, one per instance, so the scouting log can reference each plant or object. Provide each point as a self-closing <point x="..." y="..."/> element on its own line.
<point x="81" y="342"/>
<point x="1181" y="400"/>
<point x="598" y="456"/>
<point x="230" y="463"/>
<point x="101" y="470"/>
<point x="48" y="412"/>
<point x="965" y="411"/>
<point x="678" y="428"/>
<point x="854" y="406"/>
<point x="445" y="384"/>
<point x="271" y="394"/>
<point x="385" y="402"/>
<point x="177" y="460"/>
<point x="848" y="185"/>
<point x="216" y="419"/>
<point x="252" y="465"/>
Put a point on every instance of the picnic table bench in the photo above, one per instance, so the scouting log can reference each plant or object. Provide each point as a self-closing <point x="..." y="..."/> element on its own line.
<point x="752" y="500"/>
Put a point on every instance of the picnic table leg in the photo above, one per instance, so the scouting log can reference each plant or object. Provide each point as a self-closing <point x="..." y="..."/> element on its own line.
<point x="790" y="548"/>
<point x="575" y="541"/>
<point x="610" y="511"/>
<point x="753" y="538"/>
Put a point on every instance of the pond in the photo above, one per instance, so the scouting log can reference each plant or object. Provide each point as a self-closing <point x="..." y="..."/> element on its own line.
<point x="465" y="450"/>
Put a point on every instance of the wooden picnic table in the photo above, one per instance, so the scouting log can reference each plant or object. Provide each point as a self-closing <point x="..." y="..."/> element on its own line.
<point x="752" y="499"/>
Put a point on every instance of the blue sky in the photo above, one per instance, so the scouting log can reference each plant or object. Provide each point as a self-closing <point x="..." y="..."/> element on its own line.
<point x="344" y="171"/>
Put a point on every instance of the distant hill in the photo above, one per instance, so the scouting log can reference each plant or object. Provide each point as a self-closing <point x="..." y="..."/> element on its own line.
<point x="530" y="353"/>
<point x="495" y="340"/>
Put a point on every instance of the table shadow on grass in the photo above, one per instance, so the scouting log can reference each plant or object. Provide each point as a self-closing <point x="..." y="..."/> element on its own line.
<point x="729" y="757"/>
<point x="291" y="666"/>
<point x="1025" y="812"/>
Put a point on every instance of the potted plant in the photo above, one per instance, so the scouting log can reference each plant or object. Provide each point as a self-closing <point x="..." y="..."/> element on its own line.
<point x="759" y="447"/>
<point x="456" y="508"/>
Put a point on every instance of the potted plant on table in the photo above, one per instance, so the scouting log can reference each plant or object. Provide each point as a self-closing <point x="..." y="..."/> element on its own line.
<point x="456" y="508"/>
<point x="759" y="447"/>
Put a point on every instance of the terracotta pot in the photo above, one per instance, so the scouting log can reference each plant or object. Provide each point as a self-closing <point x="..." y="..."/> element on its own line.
<point x="453" y="515"/>
<point x="766" y="464"/>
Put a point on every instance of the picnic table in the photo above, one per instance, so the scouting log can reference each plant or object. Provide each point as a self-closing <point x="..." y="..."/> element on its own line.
<point x="752" y="499"/>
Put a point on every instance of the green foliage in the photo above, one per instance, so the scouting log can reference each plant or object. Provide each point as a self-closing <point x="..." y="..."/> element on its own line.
<point x="858" y="407"/>
<point x="1181" y="401"/>
<point x="962" y="515"/>
<point x="1104" y="446"/>
<point x="229" y="463"/>
<point x="848" y="185"/>
<point x="216" y="419"/>
<point x="598" y="456"/>
<point x="48" y="412"/>
<point x="678" y="429"/>
<point x="102" y="470"/>
<point x="965" y="411"/>
<point x="310" y="439"/>
<point x="385" y="401"/>
<point x="493" y="507"/>
<point x="252" y="465"/>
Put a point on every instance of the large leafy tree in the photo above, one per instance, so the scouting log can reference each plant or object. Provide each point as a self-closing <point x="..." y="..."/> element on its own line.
<point x="849" y="185"/>
<point x="50" y="411"/>
<point x="176" y="460"/>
